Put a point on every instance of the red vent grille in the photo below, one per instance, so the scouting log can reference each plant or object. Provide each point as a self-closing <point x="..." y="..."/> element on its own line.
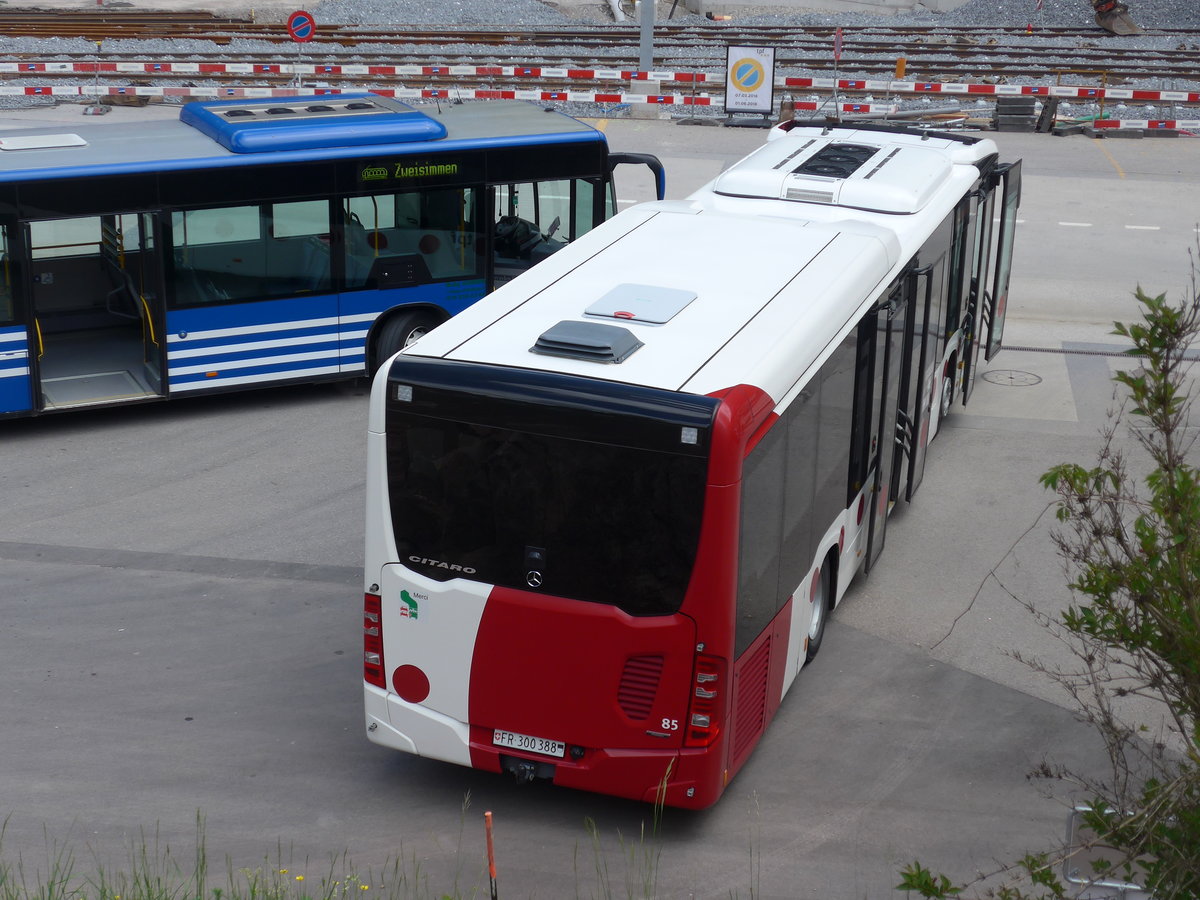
<point x="751" y="710"/>
<point x="639" y="684"/>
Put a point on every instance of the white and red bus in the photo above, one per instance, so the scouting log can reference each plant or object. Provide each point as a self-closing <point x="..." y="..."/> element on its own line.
<point x="611" y="506"/>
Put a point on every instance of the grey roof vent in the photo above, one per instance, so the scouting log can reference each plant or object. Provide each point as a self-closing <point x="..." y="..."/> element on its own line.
<point x="836" y="160"/>
<point x="591" y="341"/>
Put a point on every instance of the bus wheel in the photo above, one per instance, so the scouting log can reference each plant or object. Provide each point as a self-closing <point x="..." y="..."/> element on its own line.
<point x="946" y="400"/>
<point x="401" y="330"/>
<point x="821" y="598"/>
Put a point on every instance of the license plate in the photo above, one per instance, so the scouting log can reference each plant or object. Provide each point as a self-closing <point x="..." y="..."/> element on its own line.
<point x="528" y="743"/>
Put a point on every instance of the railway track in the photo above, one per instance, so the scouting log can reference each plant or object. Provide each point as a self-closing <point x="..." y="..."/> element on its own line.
<point x="693" y="54"/>
<point x="997" y="65"/>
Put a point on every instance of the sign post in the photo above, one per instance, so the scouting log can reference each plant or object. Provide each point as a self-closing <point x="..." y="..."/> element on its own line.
<point x="303" y="28"/>
<point x="749" y="84"/>
<point x="837" y="58"/>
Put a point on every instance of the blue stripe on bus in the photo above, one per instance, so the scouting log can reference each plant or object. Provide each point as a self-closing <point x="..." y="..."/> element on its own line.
<point x="282" y="370"/>
<point x="299" y="336"/>
<point x="216" y="359"/>
<point x="452" y="296"/>
<point x="289" y="325"/>
<point x="259" y="312"/>
<point x="15" y="362"/>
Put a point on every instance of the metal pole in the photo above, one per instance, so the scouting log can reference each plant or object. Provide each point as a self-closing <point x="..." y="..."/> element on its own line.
<point x="491" y="855"/>
<point x="646" y="44"/>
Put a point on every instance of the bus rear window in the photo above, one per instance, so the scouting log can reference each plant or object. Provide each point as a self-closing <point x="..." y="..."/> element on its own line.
<point x="597" y="521"/>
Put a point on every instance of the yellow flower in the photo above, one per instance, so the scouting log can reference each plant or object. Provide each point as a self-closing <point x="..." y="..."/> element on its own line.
<point x="283" y="871"/>
<point x="299" y="877"/>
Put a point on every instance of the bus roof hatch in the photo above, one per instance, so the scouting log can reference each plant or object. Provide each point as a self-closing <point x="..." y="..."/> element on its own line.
<point x="641" y="303"/>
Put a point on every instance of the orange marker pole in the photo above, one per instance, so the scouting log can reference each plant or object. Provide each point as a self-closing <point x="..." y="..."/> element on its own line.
<point x="491" y="851"/>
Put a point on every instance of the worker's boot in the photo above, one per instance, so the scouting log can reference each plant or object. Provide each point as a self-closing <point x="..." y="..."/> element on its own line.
<point x="1113" y="15"/>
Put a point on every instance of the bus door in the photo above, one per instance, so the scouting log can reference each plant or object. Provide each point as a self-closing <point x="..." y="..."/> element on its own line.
<point x="16" y="337"/>
<point x="152" y="297"/>
<point x="920" y="335"/>
<point x="891" y="324"/>
<point x="1010" y="177"/>
<point x="979" y="302"/>
<point x="94" y="285"/>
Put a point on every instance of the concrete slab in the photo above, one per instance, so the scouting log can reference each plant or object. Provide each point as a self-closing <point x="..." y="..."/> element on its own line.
<point x="740" y="8"/>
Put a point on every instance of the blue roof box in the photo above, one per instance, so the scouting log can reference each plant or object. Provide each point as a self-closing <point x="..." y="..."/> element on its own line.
<point x="307" y="123"/>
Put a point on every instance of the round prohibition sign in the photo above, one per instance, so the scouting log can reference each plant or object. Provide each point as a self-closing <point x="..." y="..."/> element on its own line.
<point x="301" y="26"/>
<point x="748" y="74"/>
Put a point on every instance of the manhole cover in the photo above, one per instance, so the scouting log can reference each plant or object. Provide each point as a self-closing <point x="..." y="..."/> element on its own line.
<point x="1011" y="377"/>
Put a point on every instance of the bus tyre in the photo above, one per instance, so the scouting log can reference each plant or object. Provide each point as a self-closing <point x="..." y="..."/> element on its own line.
<point x="401" y="330"/>
<point x="822" y="595"/>
<point x="946" y="399"/>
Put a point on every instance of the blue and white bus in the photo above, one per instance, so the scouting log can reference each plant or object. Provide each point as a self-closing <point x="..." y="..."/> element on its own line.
<point x="268" y="241"/>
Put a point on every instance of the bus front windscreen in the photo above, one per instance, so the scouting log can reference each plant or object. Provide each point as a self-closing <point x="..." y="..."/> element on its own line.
<point x="570" y="500"/>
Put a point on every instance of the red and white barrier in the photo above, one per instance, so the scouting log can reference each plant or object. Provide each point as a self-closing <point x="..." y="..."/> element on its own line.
<point x="316" y="70"/>
<point x="603" y="98"/>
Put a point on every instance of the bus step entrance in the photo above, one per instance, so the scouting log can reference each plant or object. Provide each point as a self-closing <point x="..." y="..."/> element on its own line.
<point x="93" y="388"/>
<point x="96" y="366"/>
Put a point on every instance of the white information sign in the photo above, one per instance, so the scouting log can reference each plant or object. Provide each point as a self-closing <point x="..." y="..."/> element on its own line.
<point x="750" y="80"/>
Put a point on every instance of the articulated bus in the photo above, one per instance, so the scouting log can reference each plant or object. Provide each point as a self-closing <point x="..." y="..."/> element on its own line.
<point x="254" y="242"/>
<point x="611" y="507"/>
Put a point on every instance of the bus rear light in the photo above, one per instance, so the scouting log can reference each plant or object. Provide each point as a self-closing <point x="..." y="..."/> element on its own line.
<point x="373" y="641"/>
<point x="704" y="717"/>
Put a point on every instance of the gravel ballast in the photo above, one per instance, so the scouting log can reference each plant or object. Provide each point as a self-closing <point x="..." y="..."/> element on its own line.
<point x="1156" y="15"/>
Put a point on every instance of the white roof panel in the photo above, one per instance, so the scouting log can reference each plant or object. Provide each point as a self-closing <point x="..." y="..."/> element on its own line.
<point x="735" y="267"/>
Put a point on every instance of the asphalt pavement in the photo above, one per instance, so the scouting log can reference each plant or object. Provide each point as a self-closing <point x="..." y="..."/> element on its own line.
<point x="180" y="588"/>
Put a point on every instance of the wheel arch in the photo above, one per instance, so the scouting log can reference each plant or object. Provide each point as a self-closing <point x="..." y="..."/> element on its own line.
<point x="379" y="326"/>
<point x="831" y="561"/>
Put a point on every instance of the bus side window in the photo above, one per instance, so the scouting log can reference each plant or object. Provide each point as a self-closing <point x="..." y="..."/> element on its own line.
<point x="763" y="475"/>
<point x="297" y="254"/>
<point x="426" y="235"/>
<point x="533" y="220"/>
<point x="210" y="249"/>
<point x="250" y="252"/>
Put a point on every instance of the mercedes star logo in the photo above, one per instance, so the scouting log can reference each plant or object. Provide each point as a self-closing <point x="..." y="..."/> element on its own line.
<point x="533" y="578"/>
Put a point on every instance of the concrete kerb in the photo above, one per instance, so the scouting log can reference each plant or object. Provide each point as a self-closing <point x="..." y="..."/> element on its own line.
<point x="737" y="8"/>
